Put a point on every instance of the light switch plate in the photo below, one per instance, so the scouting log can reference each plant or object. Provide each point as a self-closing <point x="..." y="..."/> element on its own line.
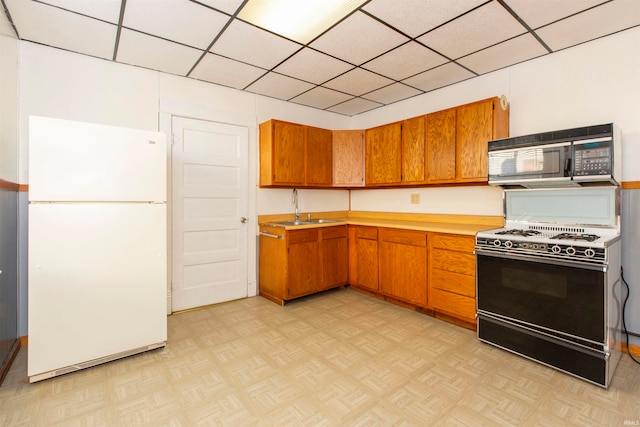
<point x="415" y="199"/>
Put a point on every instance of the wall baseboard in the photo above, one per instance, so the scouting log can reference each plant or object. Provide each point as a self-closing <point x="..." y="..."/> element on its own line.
<point x="6" y="364"/>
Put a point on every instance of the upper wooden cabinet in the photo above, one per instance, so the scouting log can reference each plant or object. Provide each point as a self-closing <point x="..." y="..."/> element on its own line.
<point x="441" y="146"/>
<point x="476" y="125"/>
<point x="348" y="158"/>
<point x="282" y="153"/>
<point x="319" y="157"/>
<point x="414" y="150"/>
<point x="457" y="141"/>
<point x="383" y="155"/>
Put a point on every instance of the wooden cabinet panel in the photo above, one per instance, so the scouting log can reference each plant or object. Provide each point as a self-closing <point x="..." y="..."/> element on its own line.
<point x="282" y="154"/>
<point x="383" y="155"/>
<point x="453" y="282"/>
<point x="452" y="275"/>
<point x="414" y="157"/>
<point x="335" y="258"/>
<point x="441" y="146"/>
<point x="363" y="257"/>
<point x="319" y="157"/>
<point x="348" y="158"/>
<point x="453" y="242"/>
<point x="456" y="262"/>
<point x="367" y="233"/>
<point x="454" y="305"/>
<point x="474" y="129"/>
<point x="403" y="265"/>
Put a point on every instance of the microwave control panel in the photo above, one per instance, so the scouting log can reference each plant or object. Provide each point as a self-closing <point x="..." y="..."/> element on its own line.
<point x="593" y="157"/>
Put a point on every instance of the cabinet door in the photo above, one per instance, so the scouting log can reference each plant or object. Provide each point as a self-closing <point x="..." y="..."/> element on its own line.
<point x="367" y="257"/>
<point x="474" y="129"/>
<point x="303" y="263"/>
<point x="348" y="158"/>
<point x="319" y="157"/>
<point x="383" y="154"/>
<point x="441" y="146"/>
<point x="403" y="265"/>
<point x="288" y="153"/>
<point x="335" y="257"/>
<point x="414" y="151"/>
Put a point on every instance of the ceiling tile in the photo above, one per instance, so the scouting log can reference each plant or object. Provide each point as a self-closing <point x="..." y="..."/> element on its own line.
<point x="320" y="97"/>
<point x="5" y="26"/>
<point x="163" y="18"/>
<point x="107" y="10"/>
<point x="226" y="72"/>
<point x="483" y="27"/>
<point x="536" y="16"/>
<point x="55" y="27"/>
<point x="597" y="22"/>
<point x="504" y="54"/>
<point x="252" y="45"/>
<point x="313" y="66"/>
<point x="405" y="61"/>
<point x="358" y="39"/>
<point x="158" y="54"/>
<point x="227" y="6"/>
<point x="392" y="93"/>
<point x="415" y="17"/>
<point x="354" y="106"/>
<point x="441" y="76"/>
<point x="279" y="86"/>
<point x="358" y="81"/>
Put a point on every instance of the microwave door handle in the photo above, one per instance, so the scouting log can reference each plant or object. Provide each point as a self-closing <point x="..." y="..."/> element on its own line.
<point x="567" y="167"/>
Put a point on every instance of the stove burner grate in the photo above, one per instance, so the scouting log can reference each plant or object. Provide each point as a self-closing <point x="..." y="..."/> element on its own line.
<point x="575" y="237"/>
<point x="519" y="232"/>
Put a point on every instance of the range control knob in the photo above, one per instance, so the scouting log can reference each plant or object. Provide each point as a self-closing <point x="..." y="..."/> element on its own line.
<point x="496" y="243"/>
<point x="571" y="250"/>
<point x="508" y="244"/>
<point x="590" y="252"/>
<point x="556" y="249"/>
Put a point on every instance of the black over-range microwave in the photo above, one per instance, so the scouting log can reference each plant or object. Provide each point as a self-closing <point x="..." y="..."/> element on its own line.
<point x="571" y="157"/>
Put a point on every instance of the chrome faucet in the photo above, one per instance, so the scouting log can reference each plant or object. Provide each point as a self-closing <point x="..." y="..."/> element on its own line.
<point x="295" y="201"/>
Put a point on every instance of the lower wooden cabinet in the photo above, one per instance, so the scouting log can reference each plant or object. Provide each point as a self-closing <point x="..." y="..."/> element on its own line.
<point x="301" y="262"/>
<point x="363" y="257"/>
<point x="452" y="276"/>
<point x="403" y="265"/>
<point x="432" y="271"/>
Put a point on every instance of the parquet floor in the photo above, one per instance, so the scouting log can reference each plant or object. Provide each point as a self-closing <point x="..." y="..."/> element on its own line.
<point x="335" y="359"/>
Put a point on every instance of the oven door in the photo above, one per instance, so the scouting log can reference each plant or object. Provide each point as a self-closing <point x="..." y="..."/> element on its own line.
<point x="562" y="297"/>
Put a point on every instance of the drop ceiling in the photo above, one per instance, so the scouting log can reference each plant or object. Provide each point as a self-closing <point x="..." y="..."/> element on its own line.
<point x="383" y="52"/>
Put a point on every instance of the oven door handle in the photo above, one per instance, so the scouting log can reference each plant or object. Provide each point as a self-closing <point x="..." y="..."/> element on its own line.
<point x="561" y="263"/>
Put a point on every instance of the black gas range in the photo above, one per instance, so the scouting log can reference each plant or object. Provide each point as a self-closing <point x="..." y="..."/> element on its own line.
<point x="551" y="290"/>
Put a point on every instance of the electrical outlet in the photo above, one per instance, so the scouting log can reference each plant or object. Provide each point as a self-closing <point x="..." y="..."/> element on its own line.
<point x="415" y="199"/>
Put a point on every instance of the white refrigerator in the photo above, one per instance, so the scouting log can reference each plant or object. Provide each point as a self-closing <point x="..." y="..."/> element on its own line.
<point x="97" y="281"/>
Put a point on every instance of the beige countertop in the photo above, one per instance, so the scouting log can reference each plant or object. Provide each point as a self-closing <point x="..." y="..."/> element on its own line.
<point x="433" y="223"/>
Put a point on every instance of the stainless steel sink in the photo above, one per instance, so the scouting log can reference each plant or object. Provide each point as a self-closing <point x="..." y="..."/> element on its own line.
<point x="290" y="223"/>
<point x="322" y="221"/>
<point x="301" y="222"/>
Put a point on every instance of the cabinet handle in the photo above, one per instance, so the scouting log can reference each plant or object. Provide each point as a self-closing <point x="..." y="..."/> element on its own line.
<point x="274" y="236"/>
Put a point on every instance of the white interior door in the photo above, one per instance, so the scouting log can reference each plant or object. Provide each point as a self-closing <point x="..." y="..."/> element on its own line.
<point x="209" y="202"/>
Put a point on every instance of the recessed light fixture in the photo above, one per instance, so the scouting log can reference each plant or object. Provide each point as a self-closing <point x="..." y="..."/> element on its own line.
<point x="299" y="20"/>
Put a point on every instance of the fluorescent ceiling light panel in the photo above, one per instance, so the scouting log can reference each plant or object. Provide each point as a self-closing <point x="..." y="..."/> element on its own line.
<point x="298" y="20"/>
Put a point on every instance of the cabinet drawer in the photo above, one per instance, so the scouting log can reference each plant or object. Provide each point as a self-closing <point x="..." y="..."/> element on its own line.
<point x="453" y="242"/>
<point x="454" y="304"/>
<point x="367" y="233"/>
<point x="404" y="237"/>
<point x="301" y="236"/>
<point x="334" y="232"/>
<point x="453" y="282"/>
<point x="455" y="262"/>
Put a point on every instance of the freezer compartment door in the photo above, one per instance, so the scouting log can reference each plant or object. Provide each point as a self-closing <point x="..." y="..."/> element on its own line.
<point x="97" y="281"/>
<point x="74" y="161"/>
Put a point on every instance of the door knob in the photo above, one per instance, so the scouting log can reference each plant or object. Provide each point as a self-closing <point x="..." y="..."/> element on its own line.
<point x="243" y="220"/>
